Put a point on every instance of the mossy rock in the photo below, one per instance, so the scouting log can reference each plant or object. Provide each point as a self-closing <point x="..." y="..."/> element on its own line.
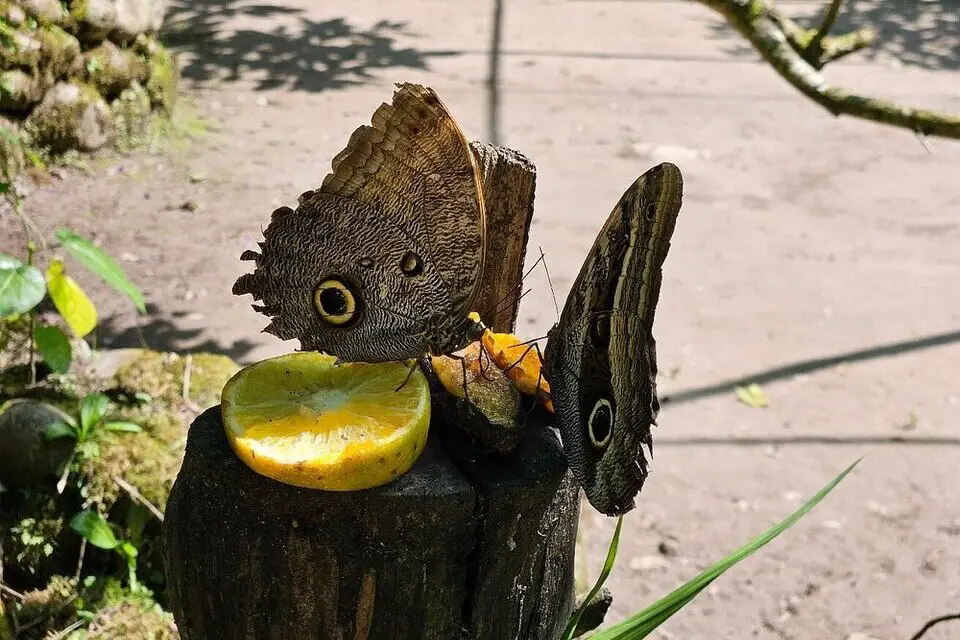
<point x="46" y="11"/>
<point x="133" y="619"/>
<point x="140" y="459"/>
<point x="12" y="13"/>
<point x="132" y="117"/>
<point x="20" y="89"/>
<point x="164" y="81"/>
<point x="111" y="69"/>
<point x="29" y="458"/>
<point x="71" y="116"/>
<point x="20" y="47"/>
<point x="161" y="376"/>
<point x="60" y="51"/>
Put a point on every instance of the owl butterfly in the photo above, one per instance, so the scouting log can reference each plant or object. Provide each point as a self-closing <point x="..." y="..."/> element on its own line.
<point x="601" y="357"/>
<point x="383" y="261"/>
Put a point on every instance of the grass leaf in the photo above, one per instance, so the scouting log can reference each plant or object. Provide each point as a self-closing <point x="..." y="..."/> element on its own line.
<point x="568" y="633"/>
<point x="101" y="264"/>
<point x="123" y="426"/>
<point x="54" y="347"/>
<point x="94" y="529"/>
<point x="643" y="623"/>
<point x="21" y="286"/>
<point x="70" y="300"/>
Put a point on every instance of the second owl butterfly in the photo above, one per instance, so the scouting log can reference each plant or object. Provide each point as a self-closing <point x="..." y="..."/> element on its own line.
<point x="383" y="261"/>
<point x="601" y="358"/>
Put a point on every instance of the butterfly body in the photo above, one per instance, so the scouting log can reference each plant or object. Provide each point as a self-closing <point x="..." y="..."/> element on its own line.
<point x="383" y="261"/>
<point x="600" y="358"/>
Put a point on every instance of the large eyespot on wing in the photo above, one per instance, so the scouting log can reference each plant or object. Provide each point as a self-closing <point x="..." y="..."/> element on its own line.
<point x="337" y="303"/>
<point x="601" y="423"/>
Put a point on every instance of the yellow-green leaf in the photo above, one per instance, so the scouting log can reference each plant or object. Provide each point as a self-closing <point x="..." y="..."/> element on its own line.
<point x="752" y="396"/>
<point x="70" y="300"/>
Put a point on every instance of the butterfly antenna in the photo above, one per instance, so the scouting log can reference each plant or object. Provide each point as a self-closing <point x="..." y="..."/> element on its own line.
<point x="550" y="283"/>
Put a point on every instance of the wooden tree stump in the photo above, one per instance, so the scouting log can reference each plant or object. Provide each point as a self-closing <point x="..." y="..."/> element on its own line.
<point x="465" y="545"/>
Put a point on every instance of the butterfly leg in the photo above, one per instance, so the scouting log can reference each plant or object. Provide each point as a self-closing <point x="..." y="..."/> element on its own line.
<point x="410" y="371"/>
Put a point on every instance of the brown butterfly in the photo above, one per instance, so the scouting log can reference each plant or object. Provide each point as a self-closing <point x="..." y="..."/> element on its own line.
<point x="601" y="358"/>
<point x="383" y="261"/>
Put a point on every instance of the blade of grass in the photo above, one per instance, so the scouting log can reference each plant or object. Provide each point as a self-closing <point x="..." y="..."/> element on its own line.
<point x="604" y="572"/>
<point x="643" y="623"/>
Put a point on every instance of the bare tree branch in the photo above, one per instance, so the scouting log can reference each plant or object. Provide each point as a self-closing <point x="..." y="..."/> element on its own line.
<point x="828" y="19"/>
<point x="786" y="47"/>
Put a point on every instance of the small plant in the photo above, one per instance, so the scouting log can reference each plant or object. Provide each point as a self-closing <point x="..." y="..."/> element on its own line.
<point x="89" y="423"/>
<point x="642" y="624"/>
<point x="23" y="285"/>
<point x="94" y="529"/>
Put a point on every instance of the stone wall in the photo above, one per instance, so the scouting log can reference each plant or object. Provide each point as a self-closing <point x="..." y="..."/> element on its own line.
<point x="82" y="74"/>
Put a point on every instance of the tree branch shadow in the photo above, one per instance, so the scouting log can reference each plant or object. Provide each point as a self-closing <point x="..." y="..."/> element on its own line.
<point x="288" y="51"/>
<point x="918" y="33"/>
<point x="161" y="334"/>
<point x="809" y="366"/>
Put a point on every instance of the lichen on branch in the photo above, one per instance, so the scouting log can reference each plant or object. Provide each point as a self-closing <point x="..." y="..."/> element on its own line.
<point x="798" y="54"/>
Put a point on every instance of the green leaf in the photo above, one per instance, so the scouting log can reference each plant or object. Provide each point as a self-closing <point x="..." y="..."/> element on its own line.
<point x="93" y="408"/>
<point x="643" y="624"/>
<point x="122" y="425"/>
<point x="128" y="550"/>
<point x="4" y="187"/>
<point x="752" y="396"/>
<point x="94" y="529"/>
<point x="70" y="300"/>
<point x="604" y="572"/>
<point x="59" y="429"/>
<point x="21" y="286"/>
<point x="54" y="346"/>
<point x="101" y="264"/>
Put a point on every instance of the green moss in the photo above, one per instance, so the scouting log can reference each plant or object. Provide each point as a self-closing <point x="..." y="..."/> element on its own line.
<point x="209" y="372"/>
<point x="161" y="375"/>
<point x="111" y="69"/>
<point x="164" y="78"/>
<point x="132" y="118"/>
<point x="57" y="123"/>
<point x="124" y="615"/>
<point x="54" y="604"/>
<point x="61" y="51"/>
<point x="140" y="459"/>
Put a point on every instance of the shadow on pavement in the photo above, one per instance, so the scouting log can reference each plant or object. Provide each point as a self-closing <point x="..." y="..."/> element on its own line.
<point x="288" y="51"/>
<point x="157" y="331"/>
<point x="918" y="33"/>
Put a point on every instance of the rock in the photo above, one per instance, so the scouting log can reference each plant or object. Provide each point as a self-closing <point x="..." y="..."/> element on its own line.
<point x="12" y="13"/>
<point x="22" y="49"/>
<point x="121" y="20"/>
<point x="45" y="11"/>
<point x="71" y="116"/>
<point x="60" y="51"/>
<point x="134" y="17"/>
<point x="20" y="90"/>
<point x="28" y="458"/>
<point x="111" y="69"/>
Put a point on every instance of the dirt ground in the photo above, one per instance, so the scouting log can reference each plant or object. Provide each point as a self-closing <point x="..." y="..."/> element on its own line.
<point x="814" y="255"/>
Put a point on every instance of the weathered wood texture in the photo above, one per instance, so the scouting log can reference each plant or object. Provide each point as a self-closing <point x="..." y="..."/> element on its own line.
<point x="463" y="546"/>
<point x="483" y="551"/>
<point x="509" y="181"/>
